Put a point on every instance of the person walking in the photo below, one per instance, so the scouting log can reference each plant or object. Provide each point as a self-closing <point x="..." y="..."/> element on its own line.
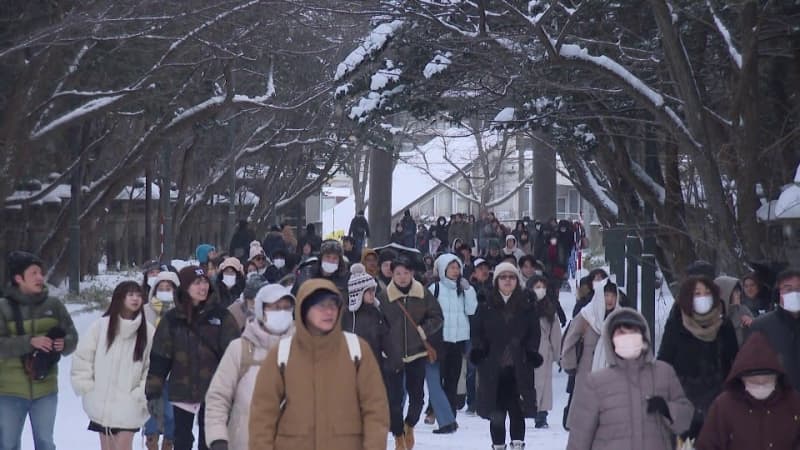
<point x="230" y="281"/>
<point x="549" y="346"/>
<point x="458" y="302"/>
<point x="162" y="300"/>
<point x="636" y="402"/>
<point x="330" y="265"/>
<point x="298" y="404"/>
<point x="758" y="408"/>
<point x="244" y="307"/>
<point x="359" y="230"/>
<point x="230" y="393"/>
<point x="35" y="331"/>
<point x="109" y="368"/>
<point x="414" y="315"/>
<point x="187" y="348"/>
<point x="505" y="349"/>
<point x="730" y="292"/>
<point x="700" y="343"/>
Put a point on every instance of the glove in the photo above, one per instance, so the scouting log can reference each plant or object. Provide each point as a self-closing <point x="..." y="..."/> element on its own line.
<point x="476" y="355"/>
<point x="696" y="426"/>
<point x="156" y="409"/>
<point x="657" y="405"/>
<point x="219" y="445"/>
<point x="535" y="359"/>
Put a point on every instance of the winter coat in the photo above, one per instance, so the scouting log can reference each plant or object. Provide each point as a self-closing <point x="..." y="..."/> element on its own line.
<point x="737" y="421"/>
<point x="231" y="390"/>
<point x="409" y="231"/>
<point x="310" y="271"/>
<point x="370" y="324"/>
<point x="240" y="243"/>
<point x="109" y="380"/>
<point x="343" y="412"/>
<point x="422" y="307"/>
<point x="227" y="295"/>
<point x="550" y="349"/>
<point x="40" y="314"/>
<point x="359" y="227"/>
<point x="155" y="310"/>
<point x="422" y="241"/>
<point x="735" y="313"/>
<point x="460" y="230"/>
<point x="701" y="366"/>
<point x="238" y="310"/>
<point x="506" y="333"/>
<point x="456" y="308"/>
<point x="783" y="331"/>
<point x="482" y="290"/>
<point x="189" y="352"/>
<point x="761" y="305"/>
<point x="580" y="340"/>
<point x="442" y="232"/>
<point x="611" y="411"/>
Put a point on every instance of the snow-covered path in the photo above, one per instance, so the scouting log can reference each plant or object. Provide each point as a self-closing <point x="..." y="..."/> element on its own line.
<point x="473" y="432"/>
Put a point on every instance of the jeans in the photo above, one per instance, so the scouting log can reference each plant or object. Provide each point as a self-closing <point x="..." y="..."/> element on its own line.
<point x="451" y="362"/>
<point x="471" y="393"/>
<point x="184" y="423"/>
<point x="42" y="412"/>
<point x="151" y="426"/>
<point x="507" y="404"/>
<point x="438" y="399"/>
<point x="414" y="384"/>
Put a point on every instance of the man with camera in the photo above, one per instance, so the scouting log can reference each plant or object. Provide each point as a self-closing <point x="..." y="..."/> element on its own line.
<point x="35" y="330"/>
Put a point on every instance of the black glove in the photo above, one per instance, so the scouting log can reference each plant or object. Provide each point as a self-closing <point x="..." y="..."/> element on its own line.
<point x="696" y="426"/>
<point x="155" y="407"/>
<point x="535" y="359"/>
<point x="657" y="405"/>
<point x="476" y="355"/>
<point x="219" y="445"/>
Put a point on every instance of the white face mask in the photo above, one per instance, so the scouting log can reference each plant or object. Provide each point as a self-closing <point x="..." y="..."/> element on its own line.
<point x="540" y="292"/>
<point x="703" y="304"/>
<point x="229" y="280"/>
<point x="164" y="296"/>
<point x="152" y="281"/>
<point x="262" y="271"/>
<point x="760" y="391"/>
<point x="628" y="346"/>
<point x="553" y="241"/>
<point x="279" y="263"/>
<point x="791" y="302"/>
<point x="329" y="267"/>
<point x="278" y="321"/>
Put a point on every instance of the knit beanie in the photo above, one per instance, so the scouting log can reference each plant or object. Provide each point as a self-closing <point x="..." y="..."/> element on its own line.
<point x="202" y="252"/>
<point x="189" y="274"/>
<point x="506" y="267"/>
<point x="232" y="263"/>
<point x="252" y="286"/>
<point x="19" y="261"/>
<point x="256" y="250"/>
<point x="359" y="282"/>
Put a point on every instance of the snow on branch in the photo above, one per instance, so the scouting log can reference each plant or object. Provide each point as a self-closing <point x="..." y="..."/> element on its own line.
<point x="438" y="64"/>
<point x="726" y="36"/>
<point x="640" y="174"/>
<point x="594" y="186"/>
<point x="373" y="43"/>
<point x="86" y="108"/>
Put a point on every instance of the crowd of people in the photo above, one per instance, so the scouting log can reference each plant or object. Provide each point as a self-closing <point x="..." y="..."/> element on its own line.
<point x="305" y="343"/>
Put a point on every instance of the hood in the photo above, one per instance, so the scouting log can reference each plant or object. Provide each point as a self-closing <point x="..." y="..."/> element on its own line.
<point x="726" y="287"/>
<point x="309" y="287"/>
<point x="170" y="276"/>
<point x="755" y="354"/>
<point x="519" y="222"/>
<point x="442" y="221"/>
<point x="366" y="252"/>
<point x="628" y="316"/>
<point x="443" y="261"/>
<point x="202" y="252"/>
<point x="511" y="237"/>
<point x="13" y="293"/>
<point x="595" y="312"/>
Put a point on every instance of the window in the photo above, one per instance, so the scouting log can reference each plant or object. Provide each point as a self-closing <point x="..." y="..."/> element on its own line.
<point x="574" y="202"/>
<point x="444" y="202"/>
<point x="426" y="208"/>
<point x="561" y="205"/>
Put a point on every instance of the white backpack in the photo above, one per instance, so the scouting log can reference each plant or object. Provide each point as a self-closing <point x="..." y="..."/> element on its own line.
<point x="285" y="347"/>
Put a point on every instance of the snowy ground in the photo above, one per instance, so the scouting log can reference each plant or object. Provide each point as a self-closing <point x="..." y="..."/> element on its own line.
<point x="473" y="432"/>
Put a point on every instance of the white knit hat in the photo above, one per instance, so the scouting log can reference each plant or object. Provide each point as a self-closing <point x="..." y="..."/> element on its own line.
<point x="165" y="275"/>
<point x="256" y="250"/>
<point x="268" y="295"/>
<point x="359" y="282"/>
<point x="506" y="267"/>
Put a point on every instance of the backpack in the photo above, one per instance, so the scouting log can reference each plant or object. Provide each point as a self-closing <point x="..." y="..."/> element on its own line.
<point x="285" y="347"/>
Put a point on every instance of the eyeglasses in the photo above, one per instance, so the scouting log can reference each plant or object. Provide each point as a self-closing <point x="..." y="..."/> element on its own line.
<point x="507" y="277"/>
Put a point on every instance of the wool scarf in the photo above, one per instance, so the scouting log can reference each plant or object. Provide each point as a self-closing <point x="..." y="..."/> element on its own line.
<point x="706" y="326"/>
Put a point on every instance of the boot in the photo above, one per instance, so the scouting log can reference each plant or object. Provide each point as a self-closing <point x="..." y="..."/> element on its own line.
<point x="499" y="447"/>
<point x="151" y="442"/>
<point x="409" y="436"/>
<point x="430" y="419"/>
<point x="400" y="443"/>
<point x="517" y="445"/>
<point x="166" y="444"/>
<point x="447" y="429"/>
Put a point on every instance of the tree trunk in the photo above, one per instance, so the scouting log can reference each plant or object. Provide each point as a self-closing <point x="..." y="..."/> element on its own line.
<point x="380" y="192"/>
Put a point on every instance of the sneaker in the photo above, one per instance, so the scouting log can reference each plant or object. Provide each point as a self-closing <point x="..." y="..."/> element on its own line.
<point x="499" y="447"/>
<point x="447" y="429"/>
<point x="541" y="424"/>
<point x="517" y="445"/>
<point x="430" y="419"/>
<point x="471" y="412"/>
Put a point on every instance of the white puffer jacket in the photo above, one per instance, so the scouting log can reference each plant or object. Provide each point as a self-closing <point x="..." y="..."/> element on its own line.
<point x="228" y="398"/>
<point x="109" y="380"/>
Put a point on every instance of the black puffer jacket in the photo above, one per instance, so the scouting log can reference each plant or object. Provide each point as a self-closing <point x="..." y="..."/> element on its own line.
<point x="496" y="328"/>
<point x="701" y="366"/>
<point x="314" y="270"/>
<point x="189" y="352"/>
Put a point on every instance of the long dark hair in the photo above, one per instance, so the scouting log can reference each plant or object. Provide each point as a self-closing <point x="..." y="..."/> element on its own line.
<point x="686" y="294"/>
<point x="115" y="309"/>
